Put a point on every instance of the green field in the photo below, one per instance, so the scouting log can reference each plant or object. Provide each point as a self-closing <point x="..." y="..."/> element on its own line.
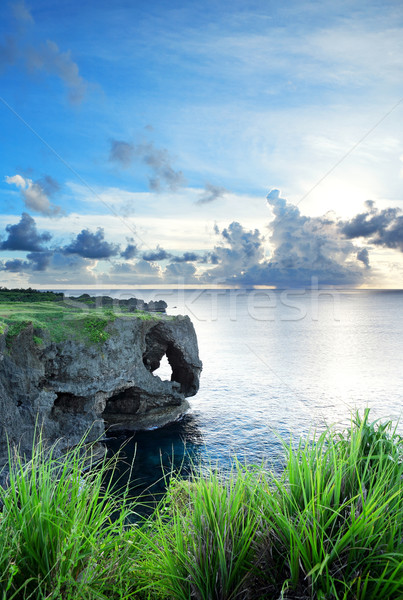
<point x="62" y="320"/>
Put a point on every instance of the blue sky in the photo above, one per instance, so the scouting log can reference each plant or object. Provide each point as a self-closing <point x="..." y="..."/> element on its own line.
<point x="231" y="143"/>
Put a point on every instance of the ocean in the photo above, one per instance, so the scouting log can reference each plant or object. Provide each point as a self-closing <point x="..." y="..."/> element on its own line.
<point x="277" y="365"/>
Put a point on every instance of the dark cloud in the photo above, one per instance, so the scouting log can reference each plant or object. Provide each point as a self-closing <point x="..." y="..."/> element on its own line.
<point x="363" y="256"/>
<point x="186" y="257"/>
<point x="35" y="194"/>
<point x="49" y="185"/>
<point x="121" y="152"/>
<point x="56" y="268"/>
<point x="15" y="265"/>
<point x="211" y="193"/>
<point x="64" y="269"/>
<point x="159" y="161"/>
<point x="91" y="245"/>
<point x="40" y="261"/>
<point x="37" y="261"/>
<point x="379" y="227"/>
<point x="157" y="254"/>
<point x="163" y="175"/>
<point x="24" y="236"/>
<point x="130" y="251"/>
<point x="71" y="266"/>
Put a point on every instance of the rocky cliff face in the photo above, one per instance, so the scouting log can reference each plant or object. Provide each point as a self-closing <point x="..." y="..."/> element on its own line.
<point x="70" y="387"/>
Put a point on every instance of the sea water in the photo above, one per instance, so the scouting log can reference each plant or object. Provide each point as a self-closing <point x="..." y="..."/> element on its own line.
<point x="276" y="366"/>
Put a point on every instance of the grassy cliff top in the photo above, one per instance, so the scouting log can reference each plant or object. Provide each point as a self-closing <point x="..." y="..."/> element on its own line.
<point x="62" y="320"/>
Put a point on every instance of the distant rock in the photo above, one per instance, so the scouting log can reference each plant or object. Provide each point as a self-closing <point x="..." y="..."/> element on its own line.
<point x="132" y="304"/>
<point x="68" y="387"/>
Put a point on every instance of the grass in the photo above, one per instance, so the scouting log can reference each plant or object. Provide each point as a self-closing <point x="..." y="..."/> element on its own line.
<point x="57" y="535"/>
<point x="330" y="527"/>
<point x="62" y="321"/>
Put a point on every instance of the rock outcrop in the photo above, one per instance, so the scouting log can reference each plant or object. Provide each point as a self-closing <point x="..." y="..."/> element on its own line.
<point x="69" y="387"/>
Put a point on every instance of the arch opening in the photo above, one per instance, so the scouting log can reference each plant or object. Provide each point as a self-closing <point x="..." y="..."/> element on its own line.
<point x="164" y="370"/>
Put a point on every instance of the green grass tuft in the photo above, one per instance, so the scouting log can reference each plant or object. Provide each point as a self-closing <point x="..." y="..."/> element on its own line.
<point x="329" y="528"/>
<point x="14" y="329"/>
<point x="94" y="326"/>
<point x="57" y="535"/>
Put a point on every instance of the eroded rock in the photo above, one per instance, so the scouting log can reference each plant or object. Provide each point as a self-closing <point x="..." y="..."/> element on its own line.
<point x="68" y="388"/>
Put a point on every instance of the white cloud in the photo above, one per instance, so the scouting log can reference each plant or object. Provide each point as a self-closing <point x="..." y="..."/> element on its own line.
<point x="17" y="180"/>
<point x="34" y="195"/>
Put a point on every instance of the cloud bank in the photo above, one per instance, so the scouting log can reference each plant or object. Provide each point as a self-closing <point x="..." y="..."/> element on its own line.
<point x="290" y="251"/>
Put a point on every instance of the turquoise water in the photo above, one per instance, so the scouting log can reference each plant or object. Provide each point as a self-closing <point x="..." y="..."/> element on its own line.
<point x="278" y="364"/>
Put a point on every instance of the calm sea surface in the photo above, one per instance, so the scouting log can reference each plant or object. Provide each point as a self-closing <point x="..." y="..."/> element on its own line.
<point x="277" y="364"/>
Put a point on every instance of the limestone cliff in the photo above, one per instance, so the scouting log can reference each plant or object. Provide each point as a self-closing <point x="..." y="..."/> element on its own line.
<point x="70" y="386"/>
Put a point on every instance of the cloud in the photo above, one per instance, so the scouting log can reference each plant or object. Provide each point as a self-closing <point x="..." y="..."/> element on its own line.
<point x="130" y="251"/>
<point x="157" y="254"/>
<point x="239" y="251"/>
<point x="21" y="12"/>
<point x="211" y="193"/>
<point x="306" y="247"/>
<point x="40" y="260"/>
<point x="10" y="48"/>
<point x="296" y="249"/>
<point x="363" y="256"/>
<point x="55" y="268"/>
<point x="92" y="245"/>
<point x="291" y="250"/>
<point x="180" y="272"/>
<point x="45" y="56"/>
<point x="48" y="58"/>
<point x="24" y="236"/>
<point x="8" y="52"/>
<point x="65" y="269"/>
<point x="163" y="175"/>
<point x="186" y="257"/>
<point x="138" y="273"/>
<point x="37" y="261"/>
<point x="122" y="153"/>
<point x="16" y="265"/>
<point x="378" y="227"/>
<point x="36" y="193"/>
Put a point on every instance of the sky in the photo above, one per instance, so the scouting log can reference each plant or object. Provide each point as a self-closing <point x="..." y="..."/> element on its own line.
<point x="228" y="143"/>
